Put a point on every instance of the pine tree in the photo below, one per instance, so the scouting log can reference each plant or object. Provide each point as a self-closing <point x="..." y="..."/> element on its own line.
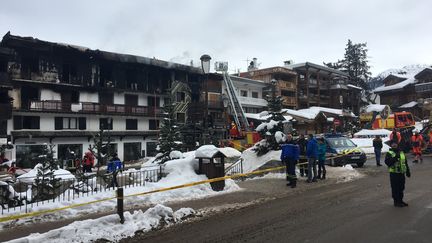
<point x="45" y="181"/>
<point x="273" y="124"/>
<point x="355" y="64"/>
<point x="101" y="148"/>
<point x="170" y="136"/>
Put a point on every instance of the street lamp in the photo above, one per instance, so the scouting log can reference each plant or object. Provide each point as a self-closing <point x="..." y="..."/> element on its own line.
<point x="205" y="65"/>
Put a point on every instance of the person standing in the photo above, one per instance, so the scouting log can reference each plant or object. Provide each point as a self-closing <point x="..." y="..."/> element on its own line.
<point x="301" y="142"/>
<point x="377" y="144"/>
<point x="322" y="149"/>
<point x="290" y="155"/>
<point x="398" y="167"/>
<point x="417" y="144"/>
<point x="396" y="136"/>
<point x="114" y="166"/>
<point x="88" y="162"/>
<point x="312" y="156"/>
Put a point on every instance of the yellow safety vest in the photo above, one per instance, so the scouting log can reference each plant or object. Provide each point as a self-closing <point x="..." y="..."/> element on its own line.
<point x="399" y="166"/>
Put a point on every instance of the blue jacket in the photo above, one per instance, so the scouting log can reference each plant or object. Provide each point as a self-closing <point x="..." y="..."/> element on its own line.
<point x="322" y="149"/>
<point x="290" y="151"/>
<point x="312" y="148"/>
<point x="113" y="166"/>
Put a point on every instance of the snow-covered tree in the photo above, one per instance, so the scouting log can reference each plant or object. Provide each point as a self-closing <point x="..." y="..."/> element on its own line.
<point x="46" y="182"/>
<point x="101" y="148"/>
<point x="170" y="136"/>
<point x="272" y="129"/>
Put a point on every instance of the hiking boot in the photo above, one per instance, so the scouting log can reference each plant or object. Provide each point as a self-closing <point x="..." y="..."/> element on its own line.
<point x="405" y="204"/>
<point x="399" y="205"/>
<point x="379" y="164"/>
<point x="323" y="177"/>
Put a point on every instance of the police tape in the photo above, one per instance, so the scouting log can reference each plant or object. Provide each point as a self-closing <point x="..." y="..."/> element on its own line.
<point x="38" y="213"/>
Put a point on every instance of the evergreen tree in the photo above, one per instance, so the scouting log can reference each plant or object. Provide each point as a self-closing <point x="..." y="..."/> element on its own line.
<point x="355" y="64"/>
<point x="45" y="181"/>
<point x="170" y="135"/>
<point x="273" y="126"/>
<point x="101" y="148"/>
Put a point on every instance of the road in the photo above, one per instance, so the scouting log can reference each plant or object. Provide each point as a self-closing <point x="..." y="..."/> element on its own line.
<point x="358" y="211"/>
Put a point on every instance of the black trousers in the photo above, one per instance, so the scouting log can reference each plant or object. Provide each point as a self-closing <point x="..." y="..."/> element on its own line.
<point x="290" y="169"/>
<point x="397" y="182"/>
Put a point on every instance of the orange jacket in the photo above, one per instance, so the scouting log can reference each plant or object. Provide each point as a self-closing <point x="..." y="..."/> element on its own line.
<point x="399" y="138"/>
<point x="417" y="141"/>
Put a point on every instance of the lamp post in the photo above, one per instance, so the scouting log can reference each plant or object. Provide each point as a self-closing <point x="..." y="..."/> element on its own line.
<point x="205" y="65"/>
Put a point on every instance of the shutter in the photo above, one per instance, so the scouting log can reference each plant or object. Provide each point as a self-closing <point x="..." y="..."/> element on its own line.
<point x="36" y="124"/>
<point x="17" y="122"/>
<point x="82" y="123"/>
<point x="58" y="123"/>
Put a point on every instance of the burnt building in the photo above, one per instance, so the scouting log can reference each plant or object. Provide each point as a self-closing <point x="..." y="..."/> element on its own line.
<point x="64" y="94"/>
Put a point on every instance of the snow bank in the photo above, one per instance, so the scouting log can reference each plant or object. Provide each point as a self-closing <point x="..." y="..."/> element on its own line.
<point x="252" y="162"/>
<point x="343" y="174"/>
<point x="30" y="176"/>
<point x="230" y="152"/>
<point x="109" y="227"/>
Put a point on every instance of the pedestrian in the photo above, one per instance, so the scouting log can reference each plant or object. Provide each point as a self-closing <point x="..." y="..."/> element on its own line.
<point x="312" y="156"/>
<point x="417" y="144"/>
<point x="322" y="149"/>
<point x="302" y="142"/>
<point x="290" y="155"/>
<point x="398" y="167"/>
<point x="377" y="144"/>
<point x="88" y="162"/>
<point x="114" y="166"/>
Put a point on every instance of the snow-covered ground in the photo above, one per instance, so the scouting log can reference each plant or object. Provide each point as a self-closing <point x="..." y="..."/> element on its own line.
<point x="180" y="171"/>
<point x="366" y="145"/>
<point x="109" y="228"/>
<point x="252" y="162"/>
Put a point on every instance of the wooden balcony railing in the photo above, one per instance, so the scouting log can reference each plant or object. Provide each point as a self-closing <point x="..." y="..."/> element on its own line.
<point x="96" y="108"/>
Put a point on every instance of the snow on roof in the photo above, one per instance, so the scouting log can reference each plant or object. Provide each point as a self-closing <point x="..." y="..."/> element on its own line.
<point x="405" y="72"/>
<point x="354" y="87"/>
<point x="313" y="111"/>
<point x="263" y="117"/>
<point x="399" y="85"/>
<point x="375" y="107"/>
<point x="206" y="151"/>
<point x="301" y="113"/>
<point x="329" y="110"/>
<point x="367" y="132"/>
<point x="409" y="104"/>
<point x="230" y="152"/>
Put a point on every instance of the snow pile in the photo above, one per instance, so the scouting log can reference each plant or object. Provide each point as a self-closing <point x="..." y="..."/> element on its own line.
<point x="253" y="162"/>
<point x="366" y="145"/>
<point x="30" y="176"/>
<point x="280" y="137"/>
<point x="366" y="133"/>
<point x="343" y="174"/>
<point x="109" y="228"/>
<point x="206" y="151"/>
<point x="176" y="154"/>
<point x="180" y="171"/>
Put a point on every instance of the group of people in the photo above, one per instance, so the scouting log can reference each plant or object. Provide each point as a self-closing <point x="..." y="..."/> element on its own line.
<point x="310" y="153"/>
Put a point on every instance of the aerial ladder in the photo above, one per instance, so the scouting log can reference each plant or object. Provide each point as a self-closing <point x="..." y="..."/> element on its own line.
<point x="238" y="112"/>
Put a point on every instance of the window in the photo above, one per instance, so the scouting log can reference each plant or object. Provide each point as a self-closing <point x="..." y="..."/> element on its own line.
<point x="106" y="123"/>
<point x="26" y="155"/>
<point x="61" y="123"/>
<point x="153" y="124"/>
<point x="153" y="101"/>
<point x="131" y="100"/>
<point x="254" y="94"/>
<point x="243" y="93"/>
<point x="106" y="98"/>
<point x="181" y="96"/>
<point x="151" y="149"/>
<point x="26" y="122"/>
<point x="132" y="151"/>
<point x="67" y="152"/>
<point x="181" y="117"/>
<point x="131" y="124"/>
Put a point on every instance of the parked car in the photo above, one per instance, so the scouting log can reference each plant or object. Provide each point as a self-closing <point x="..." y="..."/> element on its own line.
<point x="341" y="150"/>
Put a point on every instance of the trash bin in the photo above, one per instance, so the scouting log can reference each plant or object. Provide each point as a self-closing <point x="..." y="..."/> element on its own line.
<point x="213" y="167"/>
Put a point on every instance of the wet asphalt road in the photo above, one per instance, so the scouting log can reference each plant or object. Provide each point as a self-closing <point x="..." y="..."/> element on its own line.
<point x="358" y="211"/>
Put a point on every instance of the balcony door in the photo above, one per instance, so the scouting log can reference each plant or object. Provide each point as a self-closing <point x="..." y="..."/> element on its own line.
<point x="28" y="94"/>
<point x="106" y="98"/>
<point x="131" y="100"/>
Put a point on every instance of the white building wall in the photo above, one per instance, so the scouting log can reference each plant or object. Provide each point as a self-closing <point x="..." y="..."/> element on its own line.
<point x="119" y="98"/>
<point x="89" y="97"/>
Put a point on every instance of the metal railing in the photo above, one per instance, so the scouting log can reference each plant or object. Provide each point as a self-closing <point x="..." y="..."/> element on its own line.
<point x="235" y="168"/>
<point x="27" y="195"/>
<point x="87" y="107"/>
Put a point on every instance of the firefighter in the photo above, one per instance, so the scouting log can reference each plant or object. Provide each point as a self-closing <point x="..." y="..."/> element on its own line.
<point x="398" y="167"/>
<point x="234" y="133"/>
<point x="396" y="136"/>
<point x="417" y="144"/>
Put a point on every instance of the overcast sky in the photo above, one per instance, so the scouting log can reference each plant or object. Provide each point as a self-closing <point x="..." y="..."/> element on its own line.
<point x="397" y="32"/>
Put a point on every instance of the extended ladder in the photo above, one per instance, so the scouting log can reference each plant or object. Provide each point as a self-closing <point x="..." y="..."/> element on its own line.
<point x="239" y="115"/>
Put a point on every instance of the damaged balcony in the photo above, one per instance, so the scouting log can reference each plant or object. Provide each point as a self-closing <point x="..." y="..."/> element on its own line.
<point x="94" y="108"/>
